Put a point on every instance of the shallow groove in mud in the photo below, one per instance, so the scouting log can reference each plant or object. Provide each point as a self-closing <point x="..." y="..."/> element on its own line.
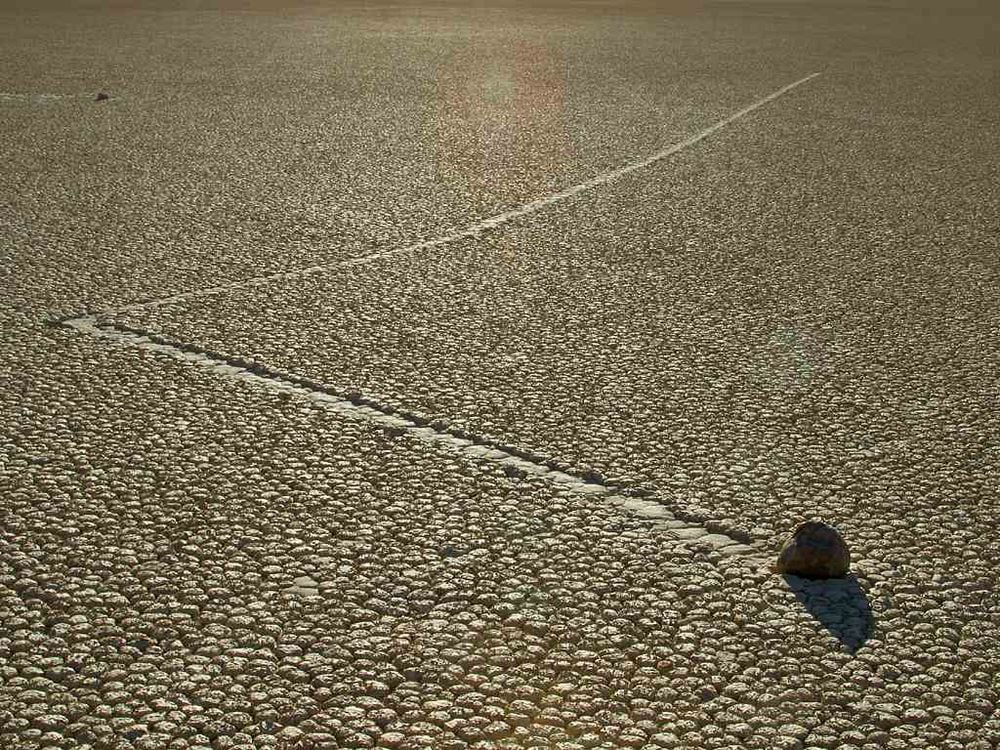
<point x="517" y="462"/>
<point x="638" y="499"/>
<point x="483" y="225"/>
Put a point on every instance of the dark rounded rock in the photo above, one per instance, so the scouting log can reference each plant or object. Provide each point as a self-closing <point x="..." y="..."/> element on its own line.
<point x="815" y="550"/>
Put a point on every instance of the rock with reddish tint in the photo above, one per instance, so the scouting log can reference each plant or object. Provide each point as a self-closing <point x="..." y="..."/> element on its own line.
<point x="815" y="550"/>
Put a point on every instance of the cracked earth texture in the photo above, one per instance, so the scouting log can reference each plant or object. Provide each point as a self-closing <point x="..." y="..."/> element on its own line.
<point x="795" y="318"/>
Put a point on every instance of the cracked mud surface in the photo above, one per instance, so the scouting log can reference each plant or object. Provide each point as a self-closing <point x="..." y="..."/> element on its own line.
<point x="191" y="562"/>
<point x="708" y="326"/>
<point x="797" y="318"/>
<point x="246" y="143"/>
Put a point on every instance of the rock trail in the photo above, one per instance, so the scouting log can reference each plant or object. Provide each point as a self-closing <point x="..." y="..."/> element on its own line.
<point x="633" y="499"/>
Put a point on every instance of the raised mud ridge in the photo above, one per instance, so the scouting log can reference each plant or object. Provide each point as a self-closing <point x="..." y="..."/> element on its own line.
<point x="517" y="462"/>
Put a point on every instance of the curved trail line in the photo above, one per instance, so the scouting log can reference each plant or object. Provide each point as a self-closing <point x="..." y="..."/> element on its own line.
<point x="395" y="418"/>
<point x="484" y="225"/>
<point x="515" y="462"/>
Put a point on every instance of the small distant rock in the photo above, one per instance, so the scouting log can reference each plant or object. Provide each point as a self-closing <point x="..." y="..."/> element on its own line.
<point x="815" y="550"/>
<point x="102" y="96"/>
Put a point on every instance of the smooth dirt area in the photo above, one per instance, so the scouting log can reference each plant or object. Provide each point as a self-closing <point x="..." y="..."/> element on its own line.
<point x="796" y="317"/>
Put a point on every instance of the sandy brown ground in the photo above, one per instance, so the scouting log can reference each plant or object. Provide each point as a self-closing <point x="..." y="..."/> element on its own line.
<point x="797" y="317"/>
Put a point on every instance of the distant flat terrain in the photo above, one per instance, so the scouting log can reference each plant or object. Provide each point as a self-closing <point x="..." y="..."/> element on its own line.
<point x="446" y="374"/>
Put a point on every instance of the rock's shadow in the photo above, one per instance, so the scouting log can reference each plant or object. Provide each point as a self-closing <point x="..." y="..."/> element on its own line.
<point x="839" y="604"/>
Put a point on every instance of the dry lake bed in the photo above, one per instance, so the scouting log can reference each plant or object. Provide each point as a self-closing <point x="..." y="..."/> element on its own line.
<point x="449" y="374"/>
